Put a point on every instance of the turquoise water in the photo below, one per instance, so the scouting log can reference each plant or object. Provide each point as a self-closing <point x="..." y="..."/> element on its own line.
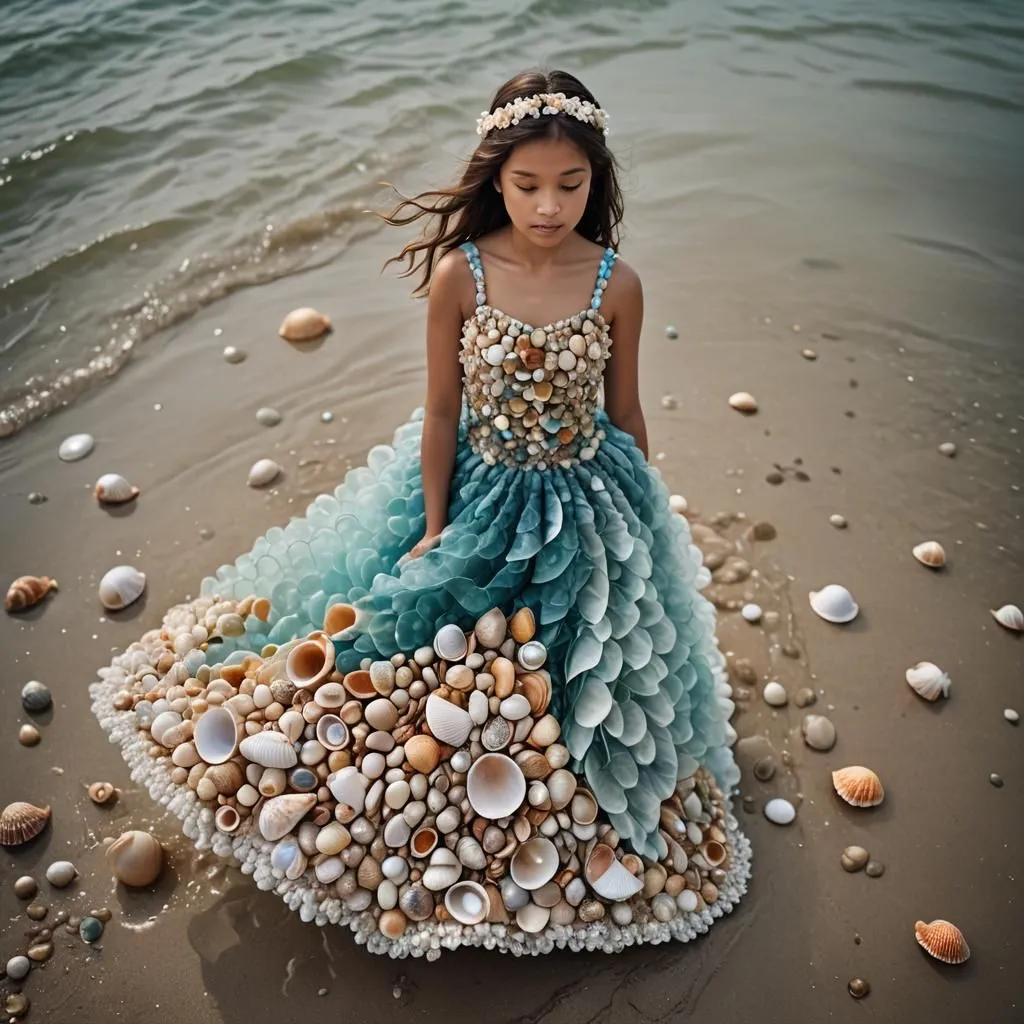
<point x="157" y="156"/>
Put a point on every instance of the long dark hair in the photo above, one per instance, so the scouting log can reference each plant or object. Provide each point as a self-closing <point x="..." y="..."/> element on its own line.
<point x="472" y="207"/>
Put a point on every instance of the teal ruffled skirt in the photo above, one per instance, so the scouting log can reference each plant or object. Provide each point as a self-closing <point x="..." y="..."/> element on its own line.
<point x="593" y="550"/>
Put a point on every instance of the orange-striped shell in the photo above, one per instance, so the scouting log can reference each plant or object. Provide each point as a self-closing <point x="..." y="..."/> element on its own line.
<point x="942" y="940"/>
<point x="20" y="822"/>
<point x="858" y="786"/>
<point x="26" y="591"/>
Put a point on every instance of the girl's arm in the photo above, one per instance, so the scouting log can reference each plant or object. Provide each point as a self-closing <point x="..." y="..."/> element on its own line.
<point x="622" y="377"/>
<point x="450" y="283"/>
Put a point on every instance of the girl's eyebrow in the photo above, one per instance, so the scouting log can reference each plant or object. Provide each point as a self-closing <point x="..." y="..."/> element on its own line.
<point x="564" y="174"/>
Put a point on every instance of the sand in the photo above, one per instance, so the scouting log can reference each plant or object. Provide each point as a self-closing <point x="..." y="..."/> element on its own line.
<point x="206" y="946"/>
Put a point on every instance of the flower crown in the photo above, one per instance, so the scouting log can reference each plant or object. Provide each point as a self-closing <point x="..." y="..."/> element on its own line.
<point x="543" y="103"/>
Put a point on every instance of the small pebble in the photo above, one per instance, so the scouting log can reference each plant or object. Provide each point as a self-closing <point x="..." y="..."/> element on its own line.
<point x="267" y="417"/>
<point x="671" y="332"/>
<point x="61" y="873"/>
<point x="764" y="531"/>
<point x="857" y="940"/>
<point x="818" y="731"/>
<point x="764" y="769"/>
<point x="40" y="952"/>
<point x="36" y="498"/>
<point x="838" y="521"/>
<point x="1011" y="716"/>
<point x="774" y="694"/>
<point x="35" y="696"/>
<point x="749" y="804"/>
<point x="875" y="869"/>
<point x="25" y="887"/>
<point x="948" y="449"/>
<point x="751" y="612"/>
<point x="779" y="811"/>
<point x="858" y="988"/>
<point x="18" y="967"/>
<point x="996" y="780"/>
<point x="321" y="992"/>
<point x="28" y="735"/>
<point x="669" y="402"/>
<point x="60" y="917"/>
<point x="854" y="858"/>
<point x="326" y="416"/>
<point x="233" y="355"/>
<point x="103" y="914"/>
<point x="775" y="478"/>
<point x="16" y="1005"/>
<point x="36" y="911"/>
<point x="809" y="353"/>
<point x="90" y="929"/>
<point x="804" y="697"/>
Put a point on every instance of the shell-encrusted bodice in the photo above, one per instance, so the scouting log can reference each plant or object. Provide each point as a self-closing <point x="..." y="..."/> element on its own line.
<point x="533" y="392"/>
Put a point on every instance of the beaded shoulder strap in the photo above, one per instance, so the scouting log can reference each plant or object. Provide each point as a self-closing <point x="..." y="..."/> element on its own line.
<point x="475" y="265"/>
<point x="604" y="272"/>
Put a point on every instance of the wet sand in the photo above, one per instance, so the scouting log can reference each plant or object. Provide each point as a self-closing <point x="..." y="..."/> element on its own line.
<point x="206" y="946"/>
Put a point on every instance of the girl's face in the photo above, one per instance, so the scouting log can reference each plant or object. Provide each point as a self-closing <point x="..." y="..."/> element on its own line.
<point x="545" y="185"/>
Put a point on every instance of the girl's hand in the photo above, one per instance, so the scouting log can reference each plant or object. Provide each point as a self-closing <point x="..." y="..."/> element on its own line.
<point x="422" y="546"/>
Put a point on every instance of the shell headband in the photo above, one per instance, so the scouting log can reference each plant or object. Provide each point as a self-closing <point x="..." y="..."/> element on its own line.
<point x="543" y="103"/>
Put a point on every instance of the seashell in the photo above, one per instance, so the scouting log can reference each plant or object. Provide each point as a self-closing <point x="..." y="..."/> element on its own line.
<point x="537" y="796"/>
<point x="834" y="604"/>
<point x="331" y="695"/>
<point x="714" y="853"/>
<point x="360" y="685"/>
<point x="227" y="819"/>
<point x="491" y="629"/>
<point x="545" y="732"/>
<point x="743" y="401"/>
<point x="417" y="902"/>
<point x="272" y="782"/>
<point x="470" y="853"/>
<point x="381" y="714"/>
<point x="930" y="553"/>
<point x="339" y="617"/>
<point x="270" y="749"/>
<point x="35" y="696"/>
<point x="61" y="873"/>
<point x="227" y="778"/>
<point x="114" y="489"/>
<point x="928" y="680"/>
<point x="1010" y="617"/>
<point x="136" y="858"/>
<point x="423" y="841"/>
<point x="333" y="838"/>
<point x="534" y="863"/>
<point x="467" y="902"/>
<point x="443" y="871"/>
<point x="286" y="855"/>
<point x="163" y="722"/>
<point x="102" y="792"/>
<point x="533" y="919"/>
<point x="292" y="725"/>
<point x="942" y="940"/>
<point x="523" y="626"/>
<point x="561" y="788"/>
<point x="392" y="924"/>
<point x="20" y="822"/>
<point x="281" y="814"/>
<point x="311" y="661"/>
<point x="263" y="472"/>
<point x="216" y="735"/>
<point x="26" y="591"/>
<point x="532" y="655"/>
<point x="75" y="447"/>
<point x="583" y="807"/>
<point x="495" y="786"/>
<point x="304" y="324"/>
<point x="349" y="787"/>
<point x="332" y="733"/>
<point x="423" y="753"/>
<point x="858" y="786"/>
<point x="496" y="734"/>
<point x="536" y="688"/>
<point x="449" y="723"/>
<point x="120" y="586"/>
<point x="608" y="878"/>
<point x="450" y="643"/>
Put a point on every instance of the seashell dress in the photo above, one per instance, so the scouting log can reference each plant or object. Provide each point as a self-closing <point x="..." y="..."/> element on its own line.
<point x="551" y="507"/>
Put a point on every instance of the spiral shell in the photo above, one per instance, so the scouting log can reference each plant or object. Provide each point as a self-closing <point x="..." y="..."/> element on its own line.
<point x="20" y="822"/>
<point x="26" y="591"/>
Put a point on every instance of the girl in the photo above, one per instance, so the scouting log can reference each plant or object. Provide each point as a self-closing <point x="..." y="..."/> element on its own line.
<point x="519" y="490"/>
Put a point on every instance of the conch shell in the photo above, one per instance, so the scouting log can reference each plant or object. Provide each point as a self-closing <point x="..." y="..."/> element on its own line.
<point x="858" y="786"/>
<point x="304" y="324"/>
<point x="136" y="858"/>
<point x="20" y="822"/>
<point x="26" y="591"/>
<point x="942" y="940"/>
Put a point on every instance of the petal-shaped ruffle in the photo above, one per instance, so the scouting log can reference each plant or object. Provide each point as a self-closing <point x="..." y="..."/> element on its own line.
<point x="594" y="550"/>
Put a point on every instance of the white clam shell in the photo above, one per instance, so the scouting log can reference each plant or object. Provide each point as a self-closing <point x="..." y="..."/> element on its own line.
<point x="332" y="733"/>
<point x="304" y="324"/>
<point x="515" y="707"/>
<point x="449" y="724"/>
<point x="349" y="787"/>
<point x="1010" y="617"/>
<point x="743" y="401"/>
<point x="281" y="814"/>
<point x="607" y="876"/>
<point x="270" y="749"/>
<point x="495" y="786"/>
<point x="120" y="586"/>
<point x="114" y="489"/>
<point x="534" y="863"/>
<point x="450" y="643"/>
<point x="76" y="447"/>
<point x="263" y="472"/>
<point x="930" y="553"/>
<point x="533" y="919"/>
<point x="928" y="680"/>
<point x="216" y="735"/>
<point x="834" y="603"/>
<point x="467" y="902"/>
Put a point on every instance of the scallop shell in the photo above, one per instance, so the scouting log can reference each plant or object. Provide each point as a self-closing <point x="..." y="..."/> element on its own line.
<point x="608" y="878"/>
<point x="216" y="735"/>
<point x="930" y="553"/>
<point x="1010" y="617"/>
<point x="120" y="586"/>
<point x="20" y="822"/>
<point x="304" y="324"/>
<point x="467" y="902"/>
<point x="743" y="401"/>
<point x="311" y="661"/>
<point x="136" y="858"/>
<point x="280" y="814"/>
<point x="263" y="472"/>
<point x="449" y="723"/>
<point x="450" y="643"/>
<point x="534" y="863"/>
<point x="270" y="749"/>
<point x="942" y="940"/>
<point x="332" y="732"/>
<point x="114" y="489"/>
<point x="834" y="604"/>
<point x="227" y="819"/>
<point x="339" y="617"/>
<point x="928" y="680"/>
<point x="495" y="785"/>
<point x="26" y="591"/>
<point x="532" y="655"/>
<point x="858" y="786"/>
<point x="75" y="447"/>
